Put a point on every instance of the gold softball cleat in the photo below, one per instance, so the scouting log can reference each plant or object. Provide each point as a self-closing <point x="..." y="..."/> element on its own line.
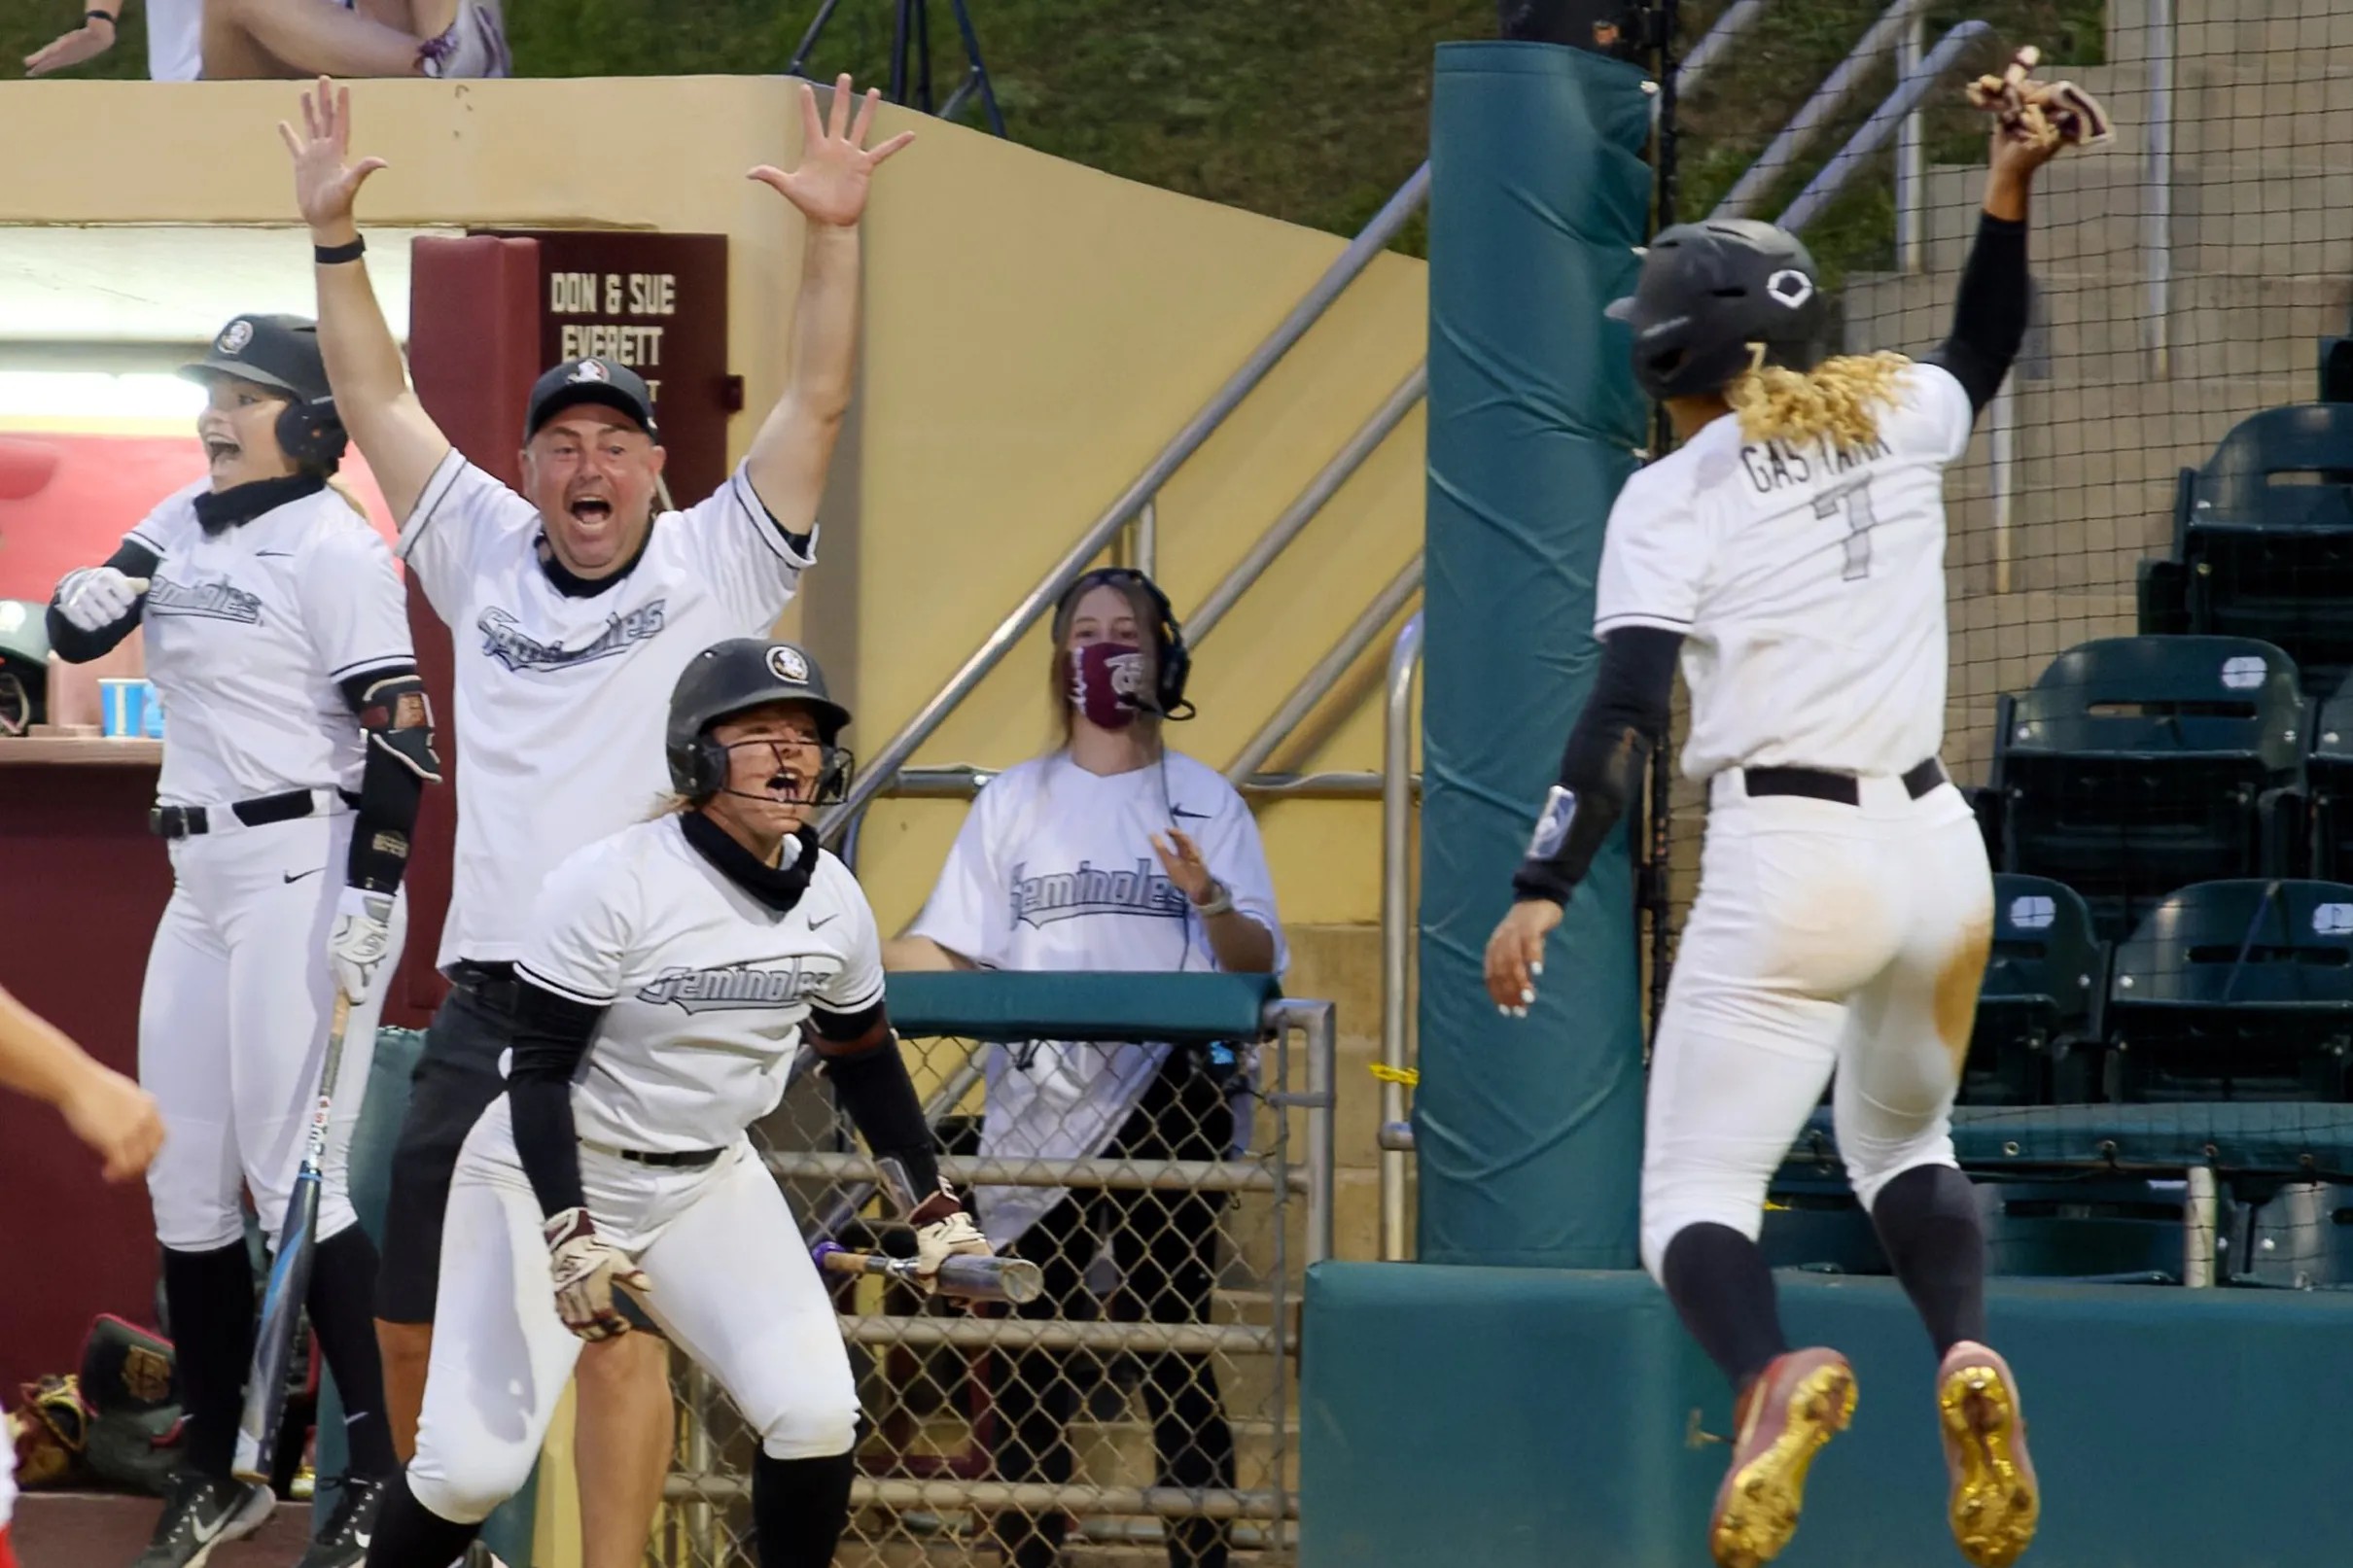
<point x="1995" y="1503"/>
<point x="1799" y="1403"/>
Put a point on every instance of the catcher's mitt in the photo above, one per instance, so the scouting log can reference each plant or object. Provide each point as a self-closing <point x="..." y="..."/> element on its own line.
<point x="2040" y="112"/>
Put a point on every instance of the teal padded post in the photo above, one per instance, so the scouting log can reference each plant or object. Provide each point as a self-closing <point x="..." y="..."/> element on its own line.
<point x="506" y="1532"/>
<point x="1527" y="1132"/>
<point x="1531" y="1417"/>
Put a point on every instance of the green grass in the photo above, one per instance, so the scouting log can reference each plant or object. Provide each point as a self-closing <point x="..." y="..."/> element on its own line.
<point x="1308" y="113"/>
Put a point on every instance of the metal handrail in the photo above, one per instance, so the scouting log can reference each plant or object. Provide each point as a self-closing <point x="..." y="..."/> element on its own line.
<point x="1344" y="270"/>
<point x="1300" y="512"/>
<point x="1396" y="927"/>
<point x="1818" y="110"/>
<point x="2157" y="231"/>
<point x="1729" y="28"/>
<point x="1317" y="683"/>
<point x="962" y="780"/>
<point x="1832" y="177"/>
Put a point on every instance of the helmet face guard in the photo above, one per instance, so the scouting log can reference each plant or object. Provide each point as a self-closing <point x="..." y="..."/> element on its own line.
<point x="1718" y="298"/>
<point x="836" y="766"/>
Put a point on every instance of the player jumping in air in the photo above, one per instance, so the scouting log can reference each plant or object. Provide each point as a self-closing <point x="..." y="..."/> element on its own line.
<point x="667" y="975"/>
<point x="1791" y="550"/>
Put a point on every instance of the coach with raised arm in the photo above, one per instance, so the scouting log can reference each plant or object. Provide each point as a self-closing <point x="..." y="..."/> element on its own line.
<point x="575" y="606"/>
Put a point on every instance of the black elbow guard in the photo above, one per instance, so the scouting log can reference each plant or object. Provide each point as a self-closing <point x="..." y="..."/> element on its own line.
<point x="875" y="1088"/>
<point x="398" y="717"/>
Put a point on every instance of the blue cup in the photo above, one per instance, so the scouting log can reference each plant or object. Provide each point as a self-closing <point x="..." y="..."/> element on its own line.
<point x="151" y="711"/>
<point x="130" y="710"/>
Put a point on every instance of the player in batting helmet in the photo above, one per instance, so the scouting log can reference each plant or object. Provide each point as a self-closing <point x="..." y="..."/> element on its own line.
<point x="1714" y="298"/>
<point x="734" y="678"/>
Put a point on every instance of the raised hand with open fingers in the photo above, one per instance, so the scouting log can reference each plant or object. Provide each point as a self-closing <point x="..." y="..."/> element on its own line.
<point x="325" y="182"/>
<point x="830" y="184"/>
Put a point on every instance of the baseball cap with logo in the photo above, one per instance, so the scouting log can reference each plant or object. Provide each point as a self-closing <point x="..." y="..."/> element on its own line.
<point x="281" y="352"/>
<point x="593" y="380"/>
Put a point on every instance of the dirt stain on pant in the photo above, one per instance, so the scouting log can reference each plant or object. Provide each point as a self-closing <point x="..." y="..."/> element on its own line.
<point x="1956" y="989"/>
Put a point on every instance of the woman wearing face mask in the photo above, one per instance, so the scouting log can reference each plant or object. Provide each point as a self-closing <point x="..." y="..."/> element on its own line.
<point x="298" y="745"/>
<point x="1110" y="851"/>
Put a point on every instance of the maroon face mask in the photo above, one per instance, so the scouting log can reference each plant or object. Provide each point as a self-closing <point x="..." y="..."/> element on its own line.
<point x="1108" y="683"/>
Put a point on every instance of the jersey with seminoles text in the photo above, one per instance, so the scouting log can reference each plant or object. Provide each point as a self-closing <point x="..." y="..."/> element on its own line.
<point x="1054" y="869"/>
<point x="561" y="697"/>
<point x="1809" y="582"/>
<point x="704" y="987"/>
<point x="248" y="631"/>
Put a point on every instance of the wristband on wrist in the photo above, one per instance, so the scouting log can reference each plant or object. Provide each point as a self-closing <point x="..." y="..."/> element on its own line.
<point x="335" y="255"/>
<point x="1220" y="902"/>
<point x="106" y="17"/>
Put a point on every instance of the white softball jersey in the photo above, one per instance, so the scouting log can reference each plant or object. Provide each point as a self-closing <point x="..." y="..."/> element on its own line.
<point x="249" y="632"/>
<point x="705" y="987"/>
<point x="1807" y="581"/>
<point x="1054" y="869"/>
<point x="561" y="698"/>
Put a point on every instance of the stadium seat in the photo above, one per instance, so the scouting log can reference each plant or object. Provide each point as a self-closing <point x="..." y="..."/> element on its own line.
<point x="2329" y="781"/>
<point x="2038" y="1012"/>
<point x="2119" y="1229"/>
<point x="2238" y="990"/>
<point x="2263" y="537"/>
<point x="2136" y="765"/>
<point x="2299" y="1236"/>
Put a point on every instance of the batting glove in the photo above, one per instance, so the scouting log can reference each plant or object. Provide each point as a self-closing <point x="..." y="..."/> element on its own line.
<point x="95" y="598"/>
<point x="359" y="943"/>
<point x="951" y="1236"/>
<point x="586" y="1270"/>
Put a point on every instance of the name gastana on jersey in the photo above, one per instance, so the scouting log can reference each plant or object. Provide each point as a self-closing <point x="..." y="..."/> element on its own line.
<point x="505" y="640"/>
<point x="1771" y="465"/>
<point x="738" y="987"/>
<point x="1090" y="889"/>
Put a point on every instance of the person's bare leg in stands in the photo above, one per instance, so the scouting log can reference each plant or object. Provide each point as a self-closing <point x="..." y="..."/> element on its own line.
<point x="284" y="39"/>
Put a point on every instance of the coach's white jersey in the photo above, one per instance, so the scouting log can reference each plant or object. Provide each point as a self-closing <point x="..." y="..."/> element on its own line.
<point x="248" y="630"/>
<point x="1054" y="869"/>
<point x="705" y="987"/>
<point x="561" y="698"/>
<point x="1810" y="581"/>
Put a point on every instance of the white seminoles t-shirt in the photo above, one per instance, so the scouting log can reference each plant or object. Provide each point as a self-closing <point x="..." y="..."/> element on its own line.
<point x="248" y="633"/>
<point x="705" y="987"/>
<point x="561" y="699"/>
<point x="1054" y="869"/>
<point x="1810" y="581"/>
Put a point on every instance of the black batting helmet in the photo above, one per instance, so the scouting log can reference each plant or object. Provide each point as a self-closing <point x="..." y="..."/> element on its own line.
<point x="282" y="353"/>
<point x="733" y="676"/>
<point x="1711" y="289"/>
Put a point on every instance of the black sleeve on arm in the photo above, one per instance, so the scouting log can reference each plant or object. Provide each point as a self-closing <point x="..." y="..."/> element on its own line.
<point x="75" y="645"/>
<point x="871" y="1078"/>
<point x="1602" y="768"/>
<point x="396" y="723"/>
<point x="1989" y="312"/>
<point x="550" y="1041"/>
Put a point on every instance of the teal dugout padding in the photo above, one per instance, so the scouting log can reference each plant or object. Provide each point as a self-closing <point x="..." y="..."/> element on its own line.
<point x="506" y="1532"/>
<point x="1528" y="1418"/>
<point x="1528" y="1131"/>
<point x="1073" y="1005"/>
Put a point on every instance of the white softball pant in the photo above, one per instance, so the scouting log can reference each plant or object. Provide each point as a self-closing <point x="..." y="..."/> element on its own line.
<point x="233" y="1029"/>
<point x="732" y="1286"/>
<point x="1827" y="939"/>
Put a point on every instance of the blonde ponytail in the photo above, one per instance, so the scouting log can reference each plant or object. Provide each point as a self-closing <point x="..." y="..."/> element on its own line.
<point x="1838" y="400"/>
<point x="334" y="482"/>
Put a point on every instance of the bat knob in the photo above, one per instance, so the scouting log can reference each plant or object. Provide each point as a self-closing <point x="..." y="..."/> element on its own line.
<point x="819" y="1253"/>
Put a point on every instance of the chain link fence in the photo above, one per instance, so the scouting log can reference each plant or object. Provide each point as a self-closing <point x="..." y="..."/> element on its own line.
<point x="1142" y="1408"/>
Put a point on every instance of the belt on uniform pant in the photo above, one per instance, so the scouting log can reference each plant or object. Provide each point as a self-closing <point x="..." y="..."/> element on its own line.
<point x="1814" y="784"/>
<point x="491" y="982"/>
<point x="689" y="1158"/>
<point x="186" y="822"/>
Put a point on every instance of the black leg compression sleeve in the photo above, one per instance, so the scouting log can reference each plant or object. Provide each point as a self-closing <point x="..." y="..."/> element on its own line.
<point x="342" y="1315"/>
<point x="880" y="1098"/>
<point x="211" y="1299"/>
<point x="800" y="1508"/>
<point x="1723" y="1291"/>
<point x="411" y="1535"/>
<point x="1928" y="1225"/>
